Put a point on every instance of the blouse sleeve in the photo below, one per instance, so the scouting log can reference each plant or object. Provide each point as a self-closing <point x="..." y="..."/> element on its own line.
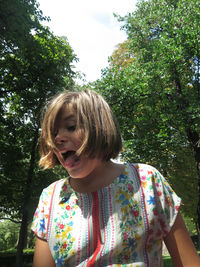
<point x="167" y="202"/>
<point x="162" y="203"/>
<point x="41" y="216"/>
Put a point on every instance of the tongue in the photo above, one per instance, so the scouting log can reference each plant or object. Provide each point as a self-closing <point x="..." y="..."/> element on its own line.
<point x="71" y="160"/>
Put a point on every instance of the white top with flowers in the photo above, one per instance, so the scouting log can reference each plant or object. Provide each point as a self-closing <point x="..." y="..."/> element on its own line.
<point x="122" y="224"/>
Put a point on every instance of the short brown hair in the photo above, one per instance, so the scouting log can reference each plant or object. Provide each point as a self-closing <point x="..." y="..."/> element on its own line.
<point x="101" y="134"/>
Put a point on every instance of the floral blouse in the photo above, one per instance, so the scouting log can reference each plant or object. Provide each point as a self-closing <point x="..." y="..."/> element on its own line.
<point x="122" y="224"/>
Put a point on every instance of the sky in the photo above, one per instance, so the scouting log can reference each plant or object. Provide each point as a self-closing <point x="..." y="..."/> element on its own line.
<point x="91" y="29"/>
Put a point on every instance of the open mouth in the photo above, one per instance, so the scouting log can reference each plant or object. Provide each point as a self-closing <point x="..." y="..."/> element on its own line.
<point x="70" y="158"/>
<point x="68" y="154"/>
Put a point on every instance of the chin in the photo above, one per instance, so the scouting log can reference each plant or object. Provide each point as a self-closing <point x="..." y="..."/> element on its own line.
<point x="75" y="173"/>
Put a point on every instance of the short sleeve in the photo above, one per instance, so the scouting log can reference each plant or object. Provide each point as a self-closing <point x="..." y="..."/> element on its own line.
<point x="162" y="203"/>
<point x="41" y="216"/>
<point x="166" y="201"/>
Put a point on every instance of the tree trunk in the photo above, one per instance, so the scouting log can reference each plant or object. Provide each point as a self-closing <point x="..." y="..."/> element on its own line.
<point x="31" y="238"/>
<point x="193" y="138"/>
<point x="27" y="195"/>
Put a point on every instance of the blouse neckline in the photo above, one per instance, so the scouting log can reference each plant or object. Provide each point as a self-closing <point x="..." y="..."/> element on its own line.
<point x="67" y="190"/>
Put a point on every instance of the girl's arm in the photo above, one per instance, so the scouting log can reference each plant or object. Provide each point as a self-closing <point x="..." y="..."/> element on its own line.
<point x="42" y="255"/>
<point x="180" y="246"/>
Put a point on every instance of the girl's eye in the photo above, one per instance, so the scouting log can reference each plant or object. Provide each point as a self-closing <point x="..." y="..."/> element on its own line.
<point x="71" y="128"/>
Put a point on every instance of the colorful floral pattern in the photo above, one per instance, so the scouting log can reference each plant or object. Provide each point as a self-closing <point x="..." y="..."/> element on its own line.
<point x="122" y="224"/>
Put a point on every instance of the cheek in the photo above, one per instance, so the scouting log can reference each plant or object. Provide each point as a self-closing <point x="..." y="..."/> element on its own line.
<point x="80" y="136"/>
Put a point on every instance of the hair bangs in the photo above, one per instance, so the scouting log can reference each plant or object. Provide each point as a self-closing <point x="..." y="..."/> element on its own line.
<point x="99" y="132"/>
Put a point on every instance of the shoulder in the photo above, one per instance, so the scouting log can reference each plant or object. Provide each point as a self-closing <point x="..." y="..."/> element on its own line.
<point x="56" y="183"/>
<point x="41" y="217"/>
<point x="142" y="167"/>
<point x="161" y="202"/>
<point x="49" y="190"/>
<point x="145" y="171"/>
<point x="149" y="176"/>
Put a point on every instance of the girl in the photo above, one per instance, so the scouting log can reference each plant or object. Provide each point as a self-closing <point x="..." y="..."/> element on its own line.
<point x="104" y="213"/>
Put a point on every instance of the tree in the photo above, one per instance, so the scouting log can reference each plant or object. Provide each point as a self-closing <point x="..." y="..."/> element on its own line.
<point x="156" y="95"/>
<point x="8" y="234"/>
<point x="35" y="65"/>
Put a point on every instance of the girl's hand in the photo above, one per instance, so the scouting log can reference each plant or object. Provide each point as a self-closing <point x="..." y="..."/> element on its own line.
<point x="42" y="255"/>
<point x="180" y="246"/>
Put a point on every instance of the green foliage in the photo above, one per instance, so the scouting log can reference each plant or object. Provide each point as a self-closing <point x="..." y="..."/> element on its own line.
<point x="154" y="90"/>
<point x="9" y="252"/>
<point x="7" y="257"/>
<point x="8" y="234"/>
<point x="34" y="65"/>
<point x="167" y="261"/>
<point x="18" y="19"/>
<point x="190" y="226"/>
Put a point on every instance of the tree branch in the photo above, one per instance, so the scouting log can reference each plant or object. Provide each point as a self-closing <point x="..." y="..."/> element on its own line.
<point x="14" y="221"/>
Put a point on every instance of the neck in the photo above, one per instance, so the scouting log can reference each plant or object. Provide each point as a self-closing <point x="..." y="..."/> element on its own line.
<point x="101" y="177"/>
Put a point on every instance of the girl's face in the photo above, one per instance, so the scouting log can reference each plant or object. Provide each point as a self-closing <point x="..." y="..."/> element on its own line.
<point x="68" y="140"/>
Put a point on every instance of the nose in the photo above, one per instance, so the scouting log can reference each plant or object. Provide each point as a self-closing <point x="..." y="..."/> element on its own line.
<point x="60" y="137"/>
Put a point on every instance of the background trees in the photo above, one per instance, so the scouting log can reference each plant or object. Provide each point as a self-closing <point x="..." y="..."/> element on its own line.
<point x="152" y="83"/>
<point x="154" y="89"/>
<point x="34" y="65"/>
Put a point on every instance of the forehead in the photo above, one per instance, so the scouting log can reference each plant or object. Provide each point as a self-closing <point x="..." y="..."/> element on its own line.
<point x="66" y="113"/>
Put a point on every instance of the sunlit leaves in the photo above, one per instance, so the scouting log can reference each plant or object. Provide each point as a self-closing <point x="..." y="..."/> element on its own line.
<point x="156" y="95"/>
<point x="34" y="65"/>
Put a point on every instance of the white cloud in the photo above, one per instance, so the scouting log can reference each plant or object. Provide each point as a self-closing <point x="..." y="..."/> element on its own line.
<point x="90" y="27"/>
